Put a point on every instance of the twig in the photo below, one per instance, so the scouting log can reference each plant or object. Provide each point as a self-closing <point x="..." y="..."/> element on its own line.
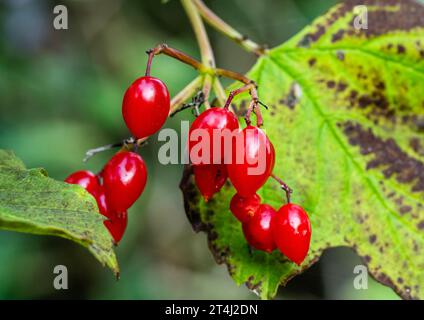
<point x="253" y="107"/>
<point x="219" y="91"/>
<point x="185" y="94"/>
<point x="90" y="153"/>
<point x="174" y="53"/>
<point x="284" y="186"/>
<point x="207" y="86"/>
<point x="195" y="104"/>
<point x="208" y="74"/>
<point x="216" y="22"/>
<point x="206" y="52"/>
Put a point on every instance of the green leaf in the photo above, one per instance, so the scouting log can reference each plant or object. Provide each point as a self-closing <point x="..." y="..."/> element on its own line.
<point x="31" y="202"/>
<point x="347" y="121"/>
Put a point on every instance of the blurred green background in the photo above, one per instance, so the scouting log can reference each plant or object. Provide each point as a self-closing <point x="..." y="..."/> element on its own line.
<point x="60" y="94"/>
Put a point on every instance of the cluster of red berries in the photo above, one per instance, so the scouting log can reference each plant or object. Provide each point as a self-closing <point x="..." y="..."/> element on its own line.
<point x="264" y="228"/>
<point x="145" y="108"/>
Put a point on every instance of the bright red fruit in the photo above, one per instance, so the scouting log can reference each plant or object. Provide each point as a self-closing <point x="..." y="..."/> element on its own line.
<point x="244" y="208"/>
<point x="85" y="179"/>
<point x="258" y="231"/>
<point x="210" y="122"/>
<point x="210" y="178"/>
<point x="145" y="106"/>
<point x="291" y="229"/>
<point x="117" y="225"/>
<point x="124" y="179"/>
<point x="252" y="161"/>
<point x="100" y="197"/>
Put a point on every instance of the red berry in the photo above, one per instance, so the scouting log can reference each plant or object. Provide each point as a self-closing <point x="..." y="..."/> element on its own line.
<point x="85" y="179"/>
<point x="101" y="202"/>
<point x="258" y="231"/>
<point x="252" y="161"/>
<point x="244" y="208"/>
<point x="145" y="106"/>
<point x="117" y="225"/>
<point x="124" y="179"/>
<point x="209" y="123"/>
<point x="291" y="229"/>
<point x="210" y="178"/>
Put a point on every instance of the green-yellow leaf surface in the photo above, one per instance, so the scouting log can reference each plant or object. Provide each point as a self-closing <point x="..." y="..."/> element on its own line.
<point x="347" y="121"/>
<point x="31" y="202"/>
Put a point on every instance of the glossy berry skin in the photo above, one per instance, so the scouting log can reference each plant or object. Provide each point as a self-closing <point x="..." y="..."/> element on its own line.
<point x="100" y="197"/>
<point x="210" y="178"/>
<point x="117" y="225"/>
<point x="244" y="208"/>
<point x="85" y="179"/>
<point x="212" y="120"/>
<point x="252" y="161"/>
<point x="258" y="231"/>
<point x="291" y="229"/>
<point x="145" y="106"/>
<point x="124" y="179"/>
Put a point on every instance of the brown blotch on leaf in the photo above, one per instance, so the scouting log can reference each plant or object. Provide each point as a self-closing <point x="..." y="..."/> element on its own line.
<point x="191" y="195"/>
<point x="372" y="238"/>
<point x="383" y="19"/>
<point x="253" y="286"/>
<point x="416" y="247"/>
<point x="420" y="225"/>
<point x="375" y="104"/>
<point x="380" y="85"/>
<point x="388" y="156"/>
<point x="418" y="122"/>
<point x="416" y="145"/>
<point x="405" y="209"/>
<point x="384" y="279"/>
<point x="312" y="62"/>
<point x="338" y="35"/>
<point x="400" y="48"/>
<point x="220" y="254"/>
<point x="353" y="94"/>
<point x="341" y="86"/>
<point x="331" y="84"/>
<point x="292" y="98"/>
<point x="306" y="41"/>
<point x="409" y="15"/>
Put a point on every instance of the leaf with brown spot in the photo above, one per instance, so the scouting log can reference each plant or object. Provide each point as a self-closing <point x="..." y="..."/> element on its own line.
<point x="349" y="141"/>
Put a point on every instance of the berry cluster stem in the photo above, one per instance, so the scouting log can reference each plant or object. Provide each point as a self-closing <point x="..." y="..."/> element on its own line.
<point x="220" y="92"/>
<point x="205" y="47"/>
<point x="209" y="75"/>
<point x="284" y="186"/>
<point x="207" y="87"/>
<point x="173" y="53"/>
<point x="185" y="94"/>
<point x="251" y="88"/>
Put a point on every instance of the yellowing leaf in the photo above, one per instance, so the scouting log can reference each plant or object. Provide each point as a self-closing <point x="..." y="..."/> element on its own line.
<point x="347" y="121"/>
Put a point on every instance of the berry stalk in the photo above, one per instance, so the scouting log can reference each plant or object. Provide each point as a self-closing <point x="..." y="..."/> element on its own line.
<point x="284" y="186"/>
<point x="209" y="75"/>
<point x="205" y="47"/>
